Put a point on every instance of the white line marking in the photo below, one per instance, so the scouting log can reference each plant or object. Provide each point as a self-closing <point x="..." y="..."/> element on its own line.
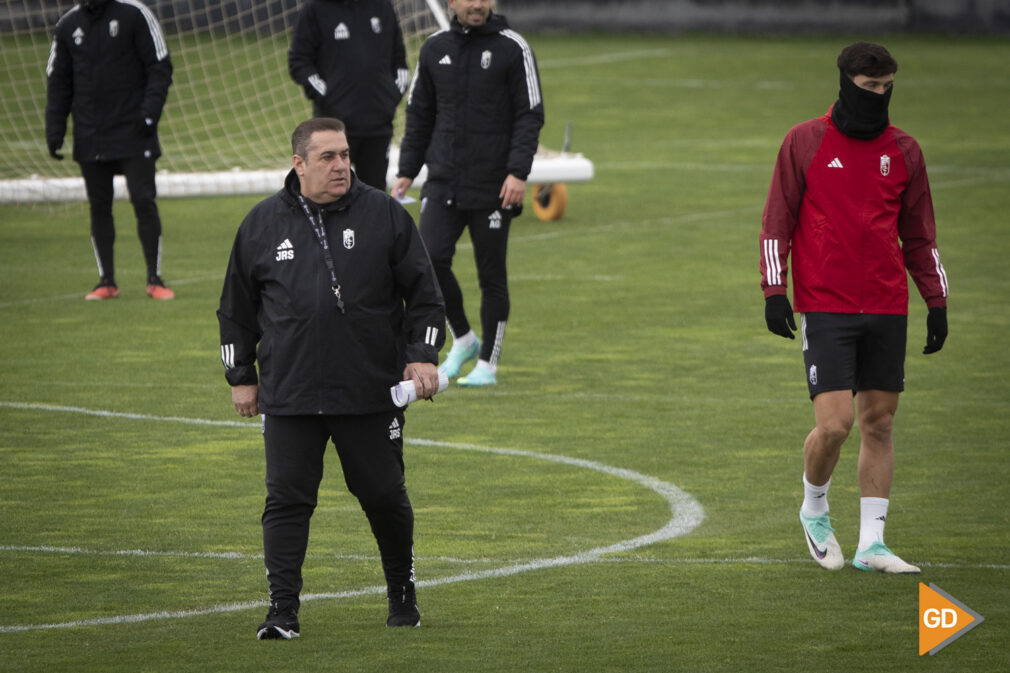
<point x="134" y="417"/>
<point x="544" y="277"/>
<point x="686" y="515"/>
<point x="49" y="549"/>
<point x="616" y="57"/>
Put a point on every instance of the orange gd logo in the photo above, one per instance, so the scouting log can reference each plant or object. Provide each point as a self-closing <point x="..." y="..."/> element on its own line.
<point x="942" y="619"/>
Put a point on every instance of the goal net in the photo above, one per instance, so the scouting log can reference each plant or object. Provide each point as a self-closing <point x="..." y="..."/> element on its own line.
<point x="230" y="110"/>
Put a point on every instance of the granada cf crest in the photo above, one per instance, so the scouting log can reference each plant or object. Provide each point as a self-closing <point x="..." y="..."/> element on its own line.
<point x="348" y="238"/>
<point x="376" y="25"/>
<point x="885" y="165"/>
<point x="485" y="59"/>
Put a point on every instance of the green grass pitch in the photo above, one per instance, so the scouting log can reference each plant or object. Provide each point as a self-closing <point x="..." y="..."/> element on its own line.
<point x="636" y="362"/>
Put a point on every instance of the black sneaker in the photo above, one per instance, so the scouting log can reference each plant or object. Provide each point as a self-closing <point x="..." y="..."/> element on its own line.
<point x="403" y="606"/>
<point x="281" y="623"/>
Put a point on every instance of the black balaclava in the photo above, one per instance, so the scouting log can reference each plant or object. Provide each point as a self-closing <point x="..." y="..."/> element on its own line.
<point x="860" y="113"/>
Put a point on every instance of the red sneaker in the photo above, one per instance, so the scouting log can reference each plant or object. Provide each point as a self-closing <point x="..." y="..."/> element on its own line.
<point x="159" y="291"/>
<point x="102" y="292"/>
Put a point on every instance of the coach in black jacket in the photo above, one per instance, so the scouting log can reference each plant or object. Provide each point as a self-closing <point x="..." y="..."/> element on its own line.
<point x="349" y="57"/>
<point x="474" y="114"/>
<point x="109" y="66"/>
<point x="329" y="289"/>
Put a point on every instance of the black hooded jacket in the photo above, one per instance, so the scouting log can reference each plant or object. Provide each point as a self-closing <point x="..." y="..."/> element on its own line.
<point x="277" y="308"/>
<point x="109" y="66"/>
<point x="474" y="113"/>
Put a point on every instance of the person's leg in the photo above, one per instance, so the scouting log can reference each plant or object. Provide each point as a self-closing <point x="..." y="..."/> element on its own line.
<point x="371" y="455"/>
<point x="489" y="233"/>
<point x="829" y="354"/>
<point x="876" y="446"/>
<point x="294" y="467"/>
<point x="370" y="156"/>
<point x="876" y="472"/>
<point x="98" y="185"/>
<point x="440" y="227"/>
<point x="140" y="182"/>
<point x="881" y="380"/>
<point x="833" y="419"/>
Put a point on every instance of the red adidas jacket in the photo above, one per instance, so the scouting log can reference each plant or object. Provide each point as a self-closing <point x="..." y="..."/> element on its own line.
<point x="854" y="214"/>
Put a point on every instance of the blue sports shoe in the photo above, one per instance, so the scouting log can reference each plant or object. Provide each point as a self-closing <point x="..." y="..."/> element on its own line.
<point x="458" y="356"/>
<point x="878" y="557"/>
<point x="480" y="376"/>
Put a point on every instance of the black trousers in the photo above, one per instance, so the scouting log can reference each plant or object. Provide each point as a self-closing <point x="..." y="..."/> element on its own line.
<point x="441" y="226"/>
<point x="370" y="448"/>
<point x="139" y="173"/>
<point x="370" y="156"/>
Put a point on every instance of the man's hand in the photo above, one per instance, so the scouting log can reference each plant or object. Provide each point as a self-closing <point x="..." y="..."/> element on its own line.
<point x="425" y="378"/>
<point x="55" y="145"/>
<point x="936" y="330"/>
<point x="779" y="316"/>
<point x="245" y="400"/>
<point x="513" y="191"/>
<point x="401" y="186"/>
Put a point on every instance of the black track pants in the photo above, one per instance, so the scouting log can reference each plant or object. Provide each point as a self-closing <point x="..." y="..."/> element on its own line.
<point x="441" y="226"/>
<point x="370" y="448"/>
<point x="140" y="184"/>
<point x="370" y="156"/>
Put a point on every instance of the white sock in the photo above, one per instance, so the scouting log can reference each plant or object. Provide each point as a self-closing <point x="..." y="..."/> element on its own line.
<point x="872" y="516"/>
<point x="484" y="364"/>
<point x="815" y="498"/>
<point x="461" y="342"/>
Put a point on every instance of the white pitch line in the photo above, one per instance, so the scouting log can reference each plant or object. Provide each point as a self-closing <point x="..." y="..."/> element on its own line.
<point x="153" y="553"/>
<point x="129" y="416"/>
<point x="614" y="57"/>
<point x="686" y="515"/>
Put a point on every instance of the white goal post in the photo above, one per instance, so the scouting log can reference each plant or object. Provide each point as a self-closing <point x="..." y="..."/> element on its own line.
<point x="227" y="123"/>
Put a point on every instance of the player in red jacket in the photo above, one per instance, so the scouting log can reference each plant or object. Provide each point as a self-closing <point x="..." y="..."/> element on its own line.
<point x="850" y="203"/>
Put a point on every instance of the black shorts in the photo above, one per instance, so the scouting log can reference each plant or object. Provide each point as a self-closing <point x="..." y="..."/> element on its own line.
<point x="854" y="351"/>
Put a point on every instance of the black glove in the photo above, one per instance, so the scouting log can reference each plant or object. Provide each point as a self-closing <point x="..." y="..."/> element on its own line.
<point x="779" y="316"/>
<point x="146" y="126"/>
<point x="310" y="92"/>
<point x="53" y="146"/>
<point x="936" y="330"/>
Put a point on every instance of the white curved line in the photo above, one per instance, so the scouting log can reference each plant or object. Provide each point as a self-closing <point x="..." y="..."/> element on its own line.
<point x="686" y="513"/>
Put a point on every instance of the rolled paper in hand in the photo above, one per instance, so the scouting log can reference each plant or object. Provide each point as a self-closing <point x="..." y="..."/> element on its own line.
<point x="403" y="393"/>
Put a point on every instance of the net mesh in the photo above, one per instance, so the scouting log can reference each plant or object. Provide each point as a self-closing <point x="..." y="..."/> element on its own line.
<point x="231" y="107"/>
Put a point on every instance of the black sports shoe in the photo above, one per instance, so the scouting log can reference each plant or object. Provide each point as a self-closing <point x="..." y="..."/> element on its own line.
<point x="403" y="606"/>
<point x="282" y="622"/>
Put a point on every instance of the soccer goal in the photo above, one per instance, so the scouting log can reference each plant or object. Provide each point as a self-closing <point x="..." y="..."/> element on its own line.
<point x="230" y="111"/>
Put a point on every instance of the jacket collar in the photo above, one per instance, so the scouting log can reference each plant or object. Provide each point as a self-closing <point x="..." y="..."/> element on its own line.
<point x="495" y="23"/>
<point x="293" y="187"/>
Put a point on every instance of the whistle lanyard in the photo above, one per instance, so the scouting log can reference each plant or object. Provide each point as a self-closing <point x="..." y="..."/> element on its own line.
<point x="320" y="231"/>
